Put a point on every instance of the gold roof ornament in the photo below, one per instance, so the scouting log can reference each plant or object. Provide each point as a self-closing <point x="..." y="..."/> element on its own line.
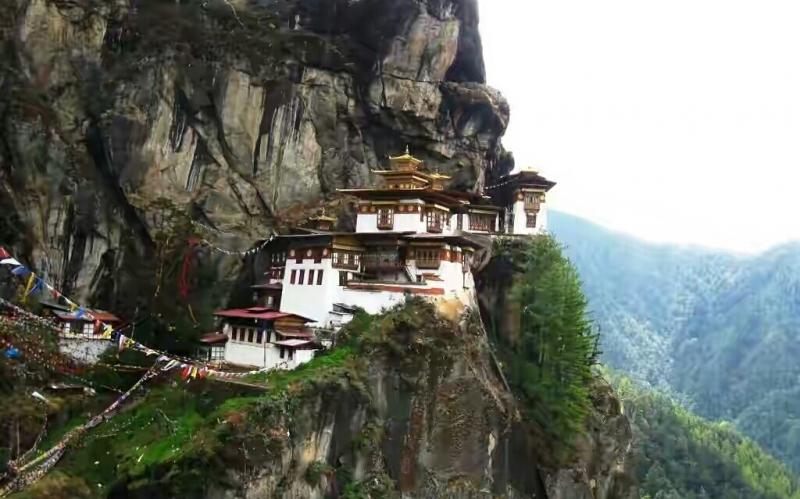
<point x="405" y="161"/>
<point x="322" y="217"/>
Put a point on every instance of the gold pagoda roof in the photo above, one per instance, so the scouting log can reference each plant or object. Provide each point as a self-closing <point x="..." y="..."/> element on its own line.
<point x="405" y="158"/>
<point x="323" y="218"/>
<point x="439" y="176"/>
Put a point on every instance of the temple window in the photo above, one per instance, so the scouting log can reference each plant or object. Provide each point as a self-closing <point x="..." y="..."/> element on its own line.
<point x="428" y="258"/>
<point x="217" y="353"/>
<point x="319" y="278"/>
<point x="435" y="221"/>
<point x="530" y="220"/>
<point x="481" y="222"/>
<point x="385" y="218"/>
<point x="345" y="260"/>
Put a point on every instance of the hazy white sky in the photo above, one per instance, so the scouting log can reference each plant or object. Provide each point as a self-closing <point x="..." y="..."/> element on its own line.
<point x="674" y="120"/>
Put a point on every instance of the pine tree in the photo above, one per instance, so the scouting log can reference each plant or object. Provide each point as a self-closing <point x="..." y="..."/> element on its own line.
<point x="551" y="365"/>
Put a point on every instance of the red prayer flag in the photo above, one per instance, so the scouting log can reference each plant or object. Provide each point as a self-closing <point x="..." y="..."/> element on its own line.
<point x="4" y="253"/>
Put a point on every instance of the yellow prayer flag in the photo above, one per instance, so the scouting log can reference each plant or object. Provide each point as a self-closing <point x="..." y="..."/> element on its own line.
<point x="107" y="332"/>
<point x="28" y="287"/>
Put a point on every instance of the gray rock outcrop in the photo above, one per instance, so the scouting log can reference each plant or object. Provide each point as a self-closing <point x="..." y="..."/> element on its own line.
<point x="237" y="113"/>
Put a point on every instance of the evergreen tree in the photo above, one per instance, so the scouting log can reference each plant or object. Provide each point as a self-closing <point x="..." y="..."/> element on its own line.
<point x="549" y="361"/>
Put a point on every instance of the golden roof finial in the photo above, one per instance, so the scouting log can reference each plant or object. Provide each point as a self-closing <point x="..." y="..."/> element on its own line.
<point x="406" y="159"/>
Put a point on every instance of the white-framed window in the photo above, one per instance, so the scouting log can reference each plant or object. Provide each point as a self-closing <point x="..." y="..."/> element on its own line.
<point x="217" y="352"/>
<point x="88" y="328"/>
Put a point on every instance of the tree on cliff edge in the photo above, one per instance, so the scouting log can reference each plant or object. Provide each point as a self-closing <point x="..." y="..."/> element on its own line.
<point x="549" y="360"/>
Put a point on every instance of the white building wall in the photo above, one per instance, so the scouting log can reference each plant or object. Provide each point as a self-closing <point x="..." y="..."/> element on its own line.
<point x="521" y="220"/>
<point x="300" y="357"/>
<point x="403" y="222"/>
<point x="264" y="356"/>
<point x="409" y="222"/>
<point x="310" y="300"/>
<point x="452" y="275"/>
<point x="541" y="223"/>
<point x="373" y="302"/>
<point x="367" y="222"/>
<point x="84" y="350"/>
<point x="248" y="354"/>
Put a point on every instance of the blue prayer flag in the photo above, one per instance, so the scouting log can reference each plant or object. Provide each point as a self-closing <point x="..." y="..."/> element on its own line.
<point x="21" y="271"/>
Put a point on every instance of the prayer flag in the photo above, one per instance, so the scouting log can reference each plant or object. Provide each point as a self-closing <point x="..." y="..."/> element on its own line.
<point x="37" y="286"/>
<point x="21" y="271"/>
<point x="28" y="287"/>
<point x="107" y="332"/>
<point x="3" y="253"/>
<point x="10" y="261"/>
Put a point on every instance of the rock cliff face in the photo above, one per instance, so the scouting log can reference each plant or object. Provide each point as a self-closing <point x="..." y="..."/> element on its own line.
<point x="411" y="406"/>
<point x="237" y="112"/>
<point x="116" y="115"/>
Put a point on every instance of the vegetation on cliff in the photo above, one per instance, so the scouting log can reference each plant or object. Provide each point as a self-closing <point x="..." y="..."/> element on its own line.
<point x="187" y="440"/>
<point x="548" y="360"/>
<point x="679" y="455"/>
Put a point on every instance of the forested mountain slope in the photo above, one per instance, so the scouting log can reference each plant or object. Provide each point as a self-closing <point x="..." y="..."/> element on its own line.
<point x="719" y="329"/>
<point x="678" y="455"/>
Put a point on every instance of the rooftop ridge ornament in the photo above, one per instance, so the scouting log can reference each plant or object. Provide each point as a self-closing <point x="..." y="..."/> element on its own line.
<point x="323" y="216"/>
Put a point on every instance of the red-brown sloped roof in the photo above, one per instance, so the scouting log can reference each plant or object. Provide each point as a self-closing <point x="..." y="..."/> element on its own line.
<point x="244" y="313"/>
<point x="213" y="338"/>
<point x="258" y="313"/>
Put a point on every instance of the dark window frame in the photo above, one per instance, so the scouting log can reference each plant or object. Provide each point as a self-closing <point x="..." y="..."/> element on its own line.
<point x="385" y="218"/>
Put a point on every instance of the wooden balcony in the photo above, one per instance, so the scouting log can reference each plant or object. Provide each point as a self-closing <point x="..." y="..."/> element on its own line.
<point x="428" y="264"/>
<point x="345" y="266"/>
<point x="382" y="263"/>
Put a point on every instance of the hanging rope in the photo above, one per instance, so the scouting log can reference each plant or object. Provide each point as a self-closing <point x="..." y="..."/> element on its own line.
<point x="33" y="470"/>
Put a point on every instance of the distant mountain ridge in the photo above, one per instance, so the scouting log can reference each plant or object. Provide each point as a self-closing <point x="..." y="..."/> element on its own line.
<point x="720" y="330"/>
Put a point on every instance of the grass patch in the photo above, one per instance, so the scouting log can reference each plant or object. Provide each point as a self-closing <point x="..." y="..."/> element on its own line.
<point x="320" y="367"/>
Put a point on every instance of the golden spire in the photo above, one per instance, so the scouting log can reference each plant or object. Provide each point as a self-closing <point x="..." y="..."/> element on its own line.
<point x="406" y="161"/>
